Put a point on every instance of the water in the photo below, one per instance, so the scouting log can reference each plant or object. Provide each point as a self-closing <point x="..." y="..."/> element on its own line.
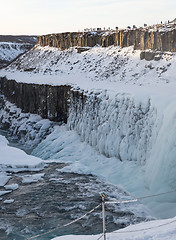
<point x="58" y="198"/>
<point x="14" y="143"/>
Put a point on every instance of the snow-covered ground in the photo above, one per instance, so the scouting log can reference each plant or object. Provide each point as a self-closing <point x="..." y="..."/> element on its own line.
<point x="9" y="50"/>
<point x="103" y="67"/>
<point x="154" y="230"/>
<point x="15" y="160"/>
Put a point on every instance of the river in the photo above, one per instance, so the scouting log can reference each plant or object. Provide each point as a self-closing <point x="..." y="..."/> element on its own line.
<point x="51" y="198"/>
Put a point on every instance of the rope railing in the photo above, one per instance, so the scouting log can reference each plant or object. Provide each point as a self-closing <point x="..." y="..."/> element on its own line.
<point x="67" y="224"/>
<point x="145" y="229"/>
<point x="104" y="228"/>
<point x="123" y="201"/>
<point x="100" y="236"/>
<point x="140" y="198"/>
<point x="139" y="230"/>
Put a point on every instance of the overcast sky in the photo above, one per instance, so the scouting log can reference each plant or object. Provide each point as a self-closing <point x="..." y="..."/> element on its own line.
<point x="54" y="16"/>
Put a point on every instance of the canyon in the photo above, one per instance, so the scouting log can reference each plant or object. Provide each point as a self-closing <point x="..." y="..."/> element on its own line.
<point x="102" y="103"/>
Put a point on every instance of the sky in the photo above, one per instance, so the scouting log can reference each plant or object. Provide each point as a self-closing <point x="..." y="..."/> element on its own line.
<point x="38" y="17"/>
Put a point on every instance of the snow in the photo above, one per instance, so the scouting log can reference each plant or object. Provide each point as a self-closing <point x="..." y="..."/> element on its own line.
<point x="16" y="159"/>
<point x="11" y="187"/>
<point x="153" y="230"/>
<point x="32" y="178"/>
<point x="9" y="50"/>
<point x="13" y="160"/>
<point x="8" y="201"/>
<point x="4" y="192"/>
<point x="3" y="178"/>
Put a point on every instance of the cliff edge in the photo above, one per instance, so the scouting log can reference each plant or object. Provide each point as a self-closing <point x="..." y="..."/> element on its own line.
<point x="161" y="37"/>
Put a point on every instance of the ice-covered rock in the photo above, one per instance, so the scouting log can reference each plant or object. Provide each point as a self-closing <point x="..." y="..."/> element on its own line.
<point x="28" y="129"/>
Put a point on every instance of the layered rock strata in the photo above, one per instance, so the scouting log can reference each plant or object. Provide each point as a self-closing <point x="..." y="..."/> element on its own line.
<point x="45" y="100"/>
<point x="139" y="38"/>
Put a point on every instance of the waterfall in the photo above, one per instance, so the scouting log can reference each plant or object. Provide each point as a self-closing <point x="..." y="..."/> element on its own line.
<point x="118" y="127"/>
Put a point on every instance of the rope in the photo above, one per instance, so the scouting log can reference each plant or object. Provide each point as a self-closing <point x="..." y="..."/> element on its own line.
<point x="144" y="229"/>
<point x="140" y="198"/>
<point x="100" y="236"/>
<point x="109" y="202"/>
<point x="155" y="195"/>
<point x="65" y="225"/>
<point x="125" y="201"/>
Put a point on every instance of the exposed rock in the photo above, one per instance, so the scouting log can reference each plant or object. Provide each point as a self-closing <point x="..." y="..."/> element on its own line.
<point x="3" y="63"/>
<point x="157" y="57"/>
<point x="149" y="55"/>
<point x="81" y="49"/>
<point x="142" y="55"/>
<point x="45" y="100"/>
<point x="140" y="38"/>
<point x="29" y="69"/>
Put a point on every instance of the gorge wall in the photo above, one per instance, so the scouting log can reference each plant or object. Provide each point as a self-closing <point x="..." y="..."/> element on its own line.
<point x="118" y="127"/>
<point x="139" y="38"/>
<point x="45" y="100"/>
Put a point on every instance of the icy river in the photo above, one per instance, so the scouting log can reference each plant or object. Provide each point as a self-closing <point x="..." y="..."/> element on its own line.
<point x="41" y="201"/>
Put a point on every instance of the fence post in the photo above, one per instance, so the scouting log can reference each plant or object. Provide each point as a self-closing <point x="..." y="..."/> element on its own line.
<point x="103" y="213"/>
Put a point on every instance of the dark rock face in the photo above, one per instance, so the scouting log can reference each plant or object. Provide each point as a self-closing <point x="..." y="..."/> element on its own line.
<point x="142" y="55"/>
<point x="3" y="63"/>
<point x="147" y="55"/>
<point x="81" y="49"/>
<point x="139" y="38"/>
<point x="47" y="101"/>
<point x="151" y="55"/>
<point x="72" y="39"/>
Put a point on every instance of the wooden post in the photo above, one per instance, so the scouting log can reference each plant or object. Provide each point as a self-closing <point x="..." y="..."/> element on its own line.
<point x="103" y="213"/>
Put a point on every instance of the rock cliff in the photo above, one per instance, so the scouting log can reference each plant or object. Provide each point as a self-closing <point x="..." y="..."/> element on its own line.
<point x="45" y="100"/>
<point x="140" y="38"/>
<point x="76" y="39"/>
